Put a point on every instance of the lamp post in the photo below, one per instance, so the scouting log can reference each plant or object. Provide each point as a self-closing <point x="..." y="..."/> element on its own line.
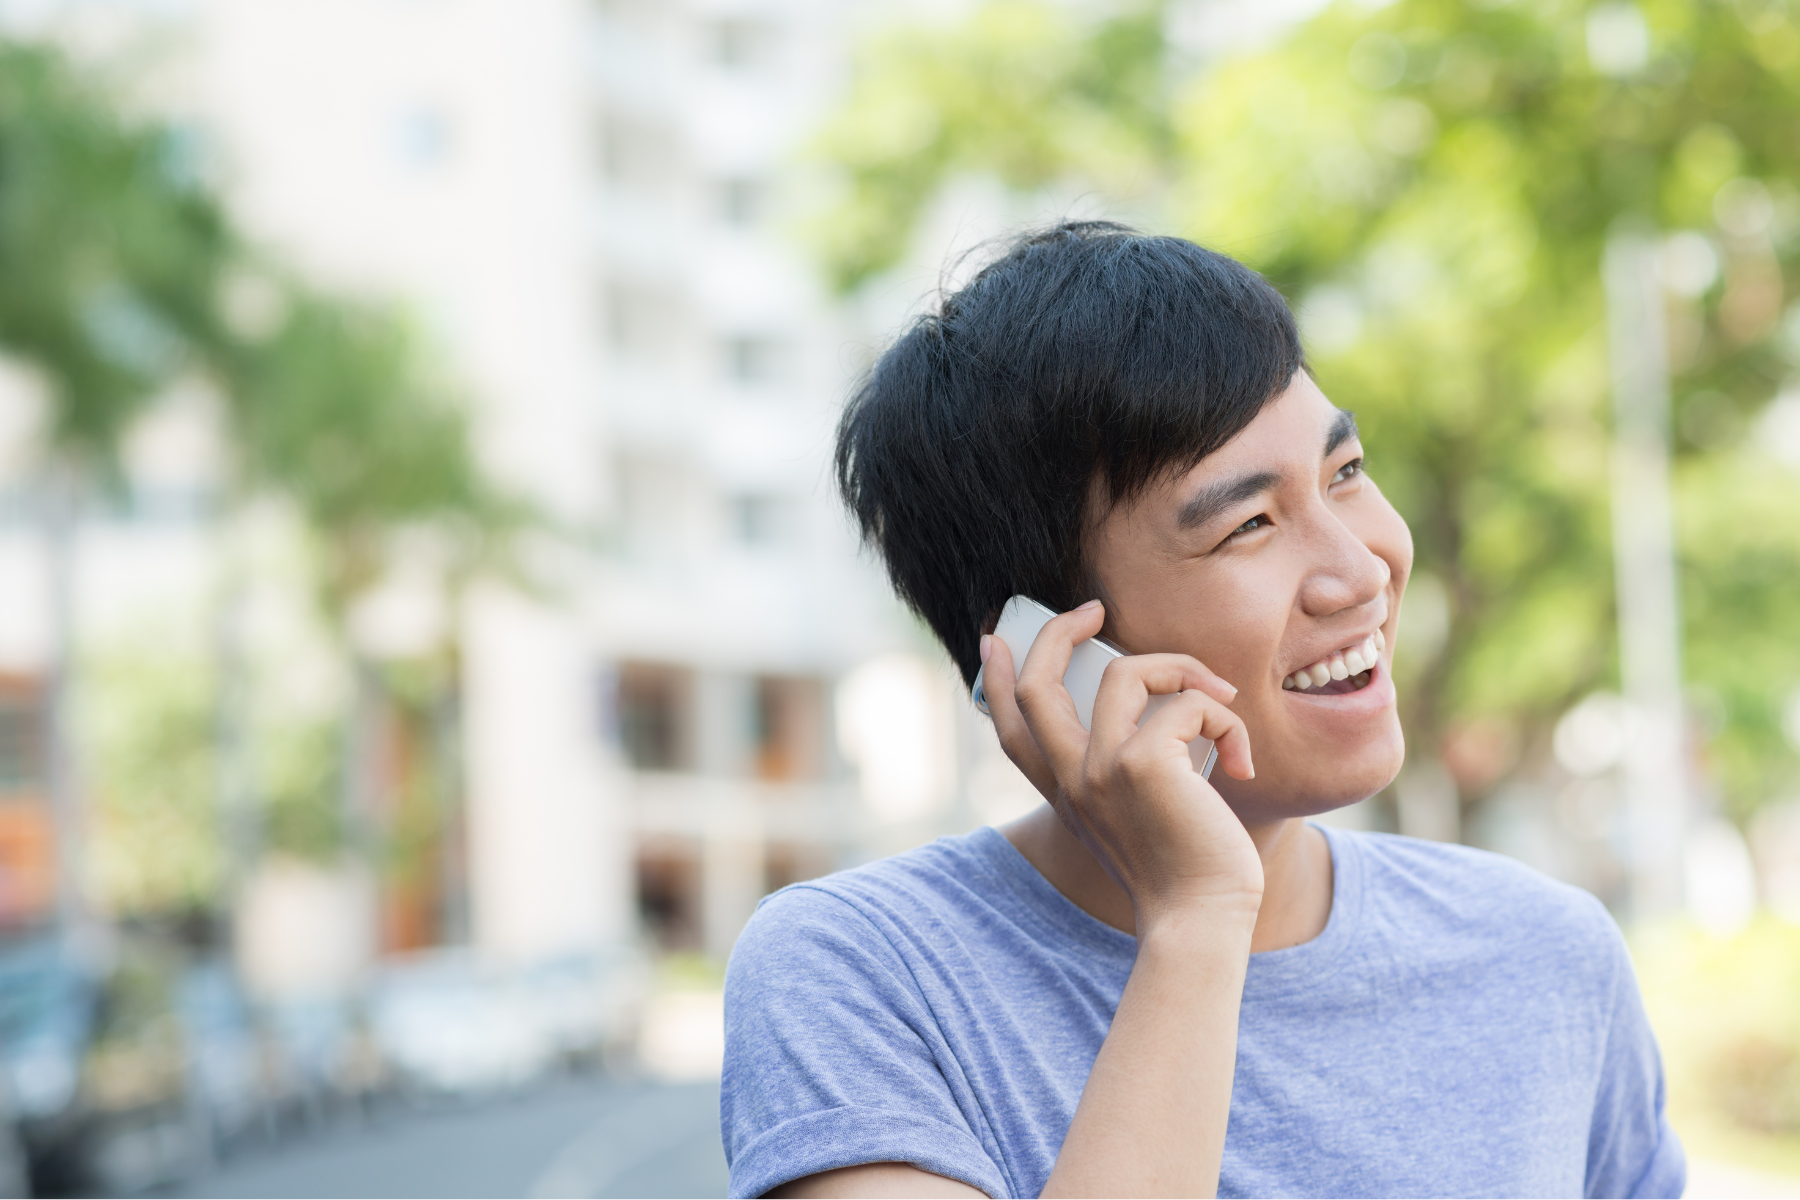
<point x="1654" y="767"/>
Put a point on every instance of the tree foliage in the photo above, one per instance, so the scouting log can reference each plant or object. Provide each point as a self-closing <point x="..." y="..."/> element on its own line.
<point x="1020" y="90"/>
<point x="1432" y="182"/>
<point x="334" y="410"/>
<point x="121" y="275"/>
<point x="108" y="249"/>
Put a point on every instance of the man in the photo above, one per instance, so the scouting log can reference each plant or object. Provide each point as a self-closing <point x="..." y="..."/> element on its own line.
<point x="1156" y="984"/>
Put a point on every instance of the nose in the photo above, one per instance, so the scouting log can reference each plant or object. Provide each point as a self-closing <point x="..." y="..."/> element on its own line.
<point x="1345" y="573"/>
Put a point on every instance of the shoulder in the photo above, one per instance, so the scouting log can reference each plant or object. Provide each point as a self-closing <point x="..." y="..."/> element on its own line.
<point x="1462" y="893"/>
<point x="866" y="913"/>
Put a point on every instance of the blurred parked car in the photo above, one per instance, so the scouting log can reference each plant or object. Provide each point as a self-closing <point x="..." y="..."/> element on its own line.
<point x="15" y="1168"/>
<point x="126" y="1074"/>
<point x="134" y="1122"/>
<point x="228" y="1079"/>
<point x="320" y="1054"/>
<point x="589" y="1005"/>
<point x="49" y="1003"/>
<point x="447" y="1025"/>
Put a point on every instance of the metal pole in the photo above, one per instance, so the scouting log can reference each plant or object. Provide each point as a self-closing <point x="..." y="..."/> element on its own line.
<point x="59" y="528"/>
<point x="238" y="823"/>
<point x="1654" y="769"/>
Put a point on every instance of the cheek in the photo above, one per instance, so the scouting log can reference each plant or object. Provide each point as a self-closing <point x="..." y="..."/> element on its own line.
<point x="1228" y="623"/>
<point x="1237" y="629"/>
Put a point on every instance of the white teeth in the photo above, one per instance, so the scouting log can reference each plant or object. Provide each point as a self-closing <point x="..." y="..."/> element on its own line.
<point x="1341" y="665"/>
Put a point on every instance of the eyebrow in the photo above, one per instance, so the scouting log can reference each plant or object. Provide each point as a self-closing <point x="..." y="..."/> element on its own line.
<point x="1213" y="499"/>
<point x="1210" y="501"/>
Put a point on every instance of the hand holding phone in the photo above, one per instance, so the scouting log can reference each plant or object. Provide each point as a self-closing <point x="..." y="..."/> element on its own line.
<point x="1020" y="622"/>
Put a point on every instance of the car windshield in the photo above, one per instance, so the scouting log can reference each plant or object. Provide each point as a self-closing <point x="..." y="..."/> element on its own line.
<point x="37" y="991"/>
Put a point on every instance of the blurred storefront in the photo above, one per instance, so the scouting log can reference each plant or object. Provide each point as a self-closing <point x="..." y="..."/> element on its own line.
<point x="27" y="834"/>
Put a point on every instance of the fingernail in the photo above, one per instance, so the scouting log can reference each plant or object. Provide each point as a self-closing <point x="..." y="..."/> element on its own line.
<point x="987" y="646"/>
<point x="1089" y="604"/>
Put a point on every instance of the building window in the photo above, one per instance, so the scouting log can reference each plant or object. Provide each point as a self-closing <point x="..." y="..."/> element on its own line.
<point x="655" y="716"/>
<point x="791" y="862"/>
<point x="639" y="154"/>
<point x="765" y="521"/>
<point x="21" y="738"/>
<point x="627" y="11"/>
<point x="668" y="892"/>
<point x="755" y="360"/>
<point x="740" y="202"/>
<point x="738" y="44"/>
<point x="789" y="728"/>
<point x="422" y="138"/>
<point x="665" y="512"/>
<point x="642" y="322"/>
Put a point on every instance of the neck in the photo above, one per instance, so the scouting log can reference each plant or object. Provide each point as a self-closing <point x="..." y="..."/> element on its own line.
<point x="1297" y="877"/>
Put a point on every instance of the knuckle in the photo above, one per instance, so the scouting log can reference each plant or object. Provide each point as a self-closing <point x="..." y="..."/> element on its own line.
<point x="1093" y="776"/>
<point x="1132" y="766"/>
<point x="1117" y="673"/>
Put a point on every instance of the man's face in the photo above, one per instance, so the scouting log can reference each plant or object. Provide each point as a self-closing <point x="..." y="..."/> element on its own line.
<point x="1273" y="555"/>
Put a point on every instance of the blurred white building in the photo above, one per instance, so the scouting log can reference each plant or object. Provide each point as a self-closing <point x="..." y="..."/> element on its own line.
<point x="579" y="197"/>
<point x="581" y="202"/>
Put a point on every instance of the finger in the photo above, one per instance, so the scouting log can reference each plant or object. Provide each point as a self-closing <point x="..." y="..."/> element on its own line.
<point x="1009" y="722"/>
<point x="1194" y="714"/>
<point x="1128" y="683"/>
<point x="1048" y="709"/>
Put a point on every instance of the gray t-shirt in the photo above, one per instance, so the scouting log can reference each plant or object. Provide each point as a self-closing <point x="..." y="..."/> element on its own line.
<point x="1463" y="1027"/>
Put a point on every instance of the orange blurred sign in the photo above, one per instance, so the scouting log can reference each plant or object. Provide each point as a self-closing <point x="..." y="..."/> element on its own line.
<point x="27" y="862"/>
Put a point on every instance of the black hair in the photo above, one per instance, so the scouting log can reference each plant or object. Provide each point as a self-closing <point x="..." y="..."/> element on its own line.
<point x="1083" y="352"/>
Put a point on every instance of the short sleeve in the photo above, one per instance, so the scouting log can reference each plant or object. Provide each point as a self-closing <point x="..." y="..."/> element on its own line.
<point x="1632" y="1151"/>
<point x="831" y="1054"/>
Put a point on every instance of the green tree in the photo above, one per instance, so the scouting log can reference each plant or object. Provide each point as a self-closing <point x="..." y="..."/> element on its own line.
<point x="109" y="251"/>
<point x="334" y="410"/>
<point x="107" y="248"/>
<point x="1432" y="182"/>
<point x="119" y="275"/>
<point x="148" y="720"/>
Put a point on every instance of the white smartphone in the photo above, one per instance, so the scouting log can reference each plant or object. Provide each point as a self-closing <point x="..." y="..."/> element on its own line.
<point x="1020" y="622"/>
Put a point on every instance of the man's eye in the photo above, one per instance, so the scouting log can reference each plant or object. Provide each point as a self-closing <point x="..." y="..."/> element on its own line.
<point x="1349" y="470"/>
<point x="1256" y="522"/>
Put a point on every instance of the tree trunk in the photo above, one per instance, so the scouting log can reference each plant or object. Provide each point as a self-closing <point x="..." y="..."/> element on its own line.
<point x="59" y="516"/>
<point x="240" y="829"/>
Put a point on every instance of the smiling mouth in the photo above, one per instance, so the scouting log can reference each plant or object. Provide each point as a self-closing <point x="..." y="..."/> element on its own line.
<point x="1340" y="673"/>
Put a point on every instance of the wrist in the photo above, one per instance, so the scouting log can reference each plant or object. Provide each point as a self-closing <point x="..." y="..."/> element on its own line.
<point x="1225" y="919"/>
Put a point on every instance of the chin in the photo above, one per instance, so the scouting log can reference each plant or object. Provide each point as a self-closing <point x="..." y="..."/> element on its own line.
<point x="1311" y="787"/>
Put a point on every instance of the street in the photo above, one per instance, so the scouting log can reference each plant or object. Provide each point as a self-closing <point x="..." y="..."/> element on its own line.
<point x="588" y="1137"/>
